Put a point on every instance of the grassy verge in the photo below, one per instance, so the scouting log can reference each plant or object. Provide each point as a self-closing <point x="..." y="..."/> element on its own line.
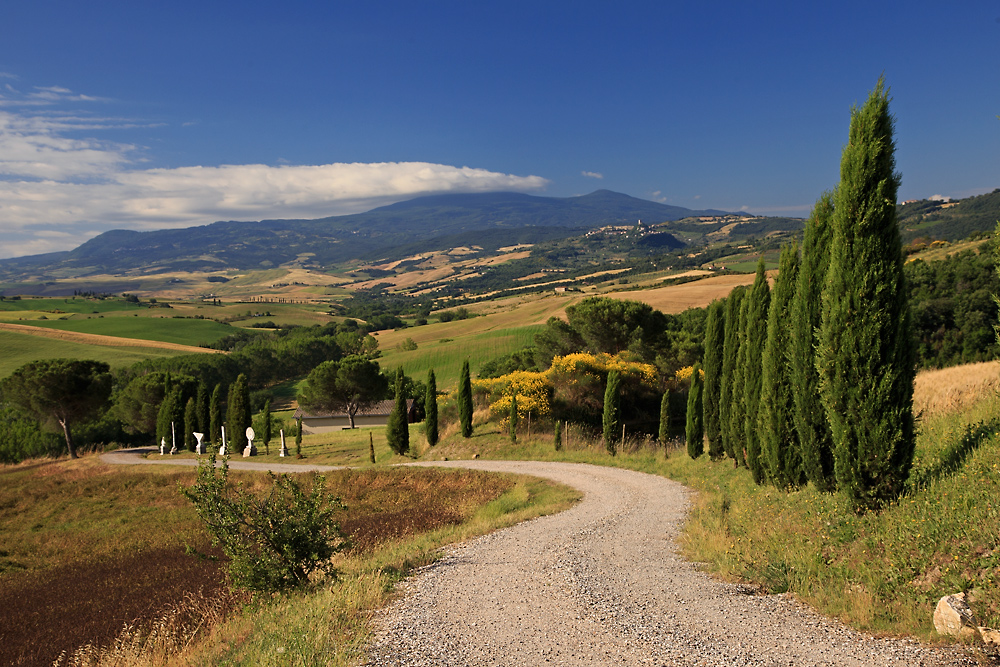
<point x="94" y="556"/>
<point x="883" y="572"/>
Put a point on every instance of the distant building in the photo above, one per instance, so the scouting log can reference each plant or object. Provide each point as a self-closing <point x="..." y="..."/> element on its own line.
<point x="376" y="415"/>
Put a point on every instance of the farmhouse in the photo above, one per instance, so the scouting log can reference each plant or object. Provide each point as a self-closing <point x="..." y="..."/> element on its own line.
<point x="376" y="415"/>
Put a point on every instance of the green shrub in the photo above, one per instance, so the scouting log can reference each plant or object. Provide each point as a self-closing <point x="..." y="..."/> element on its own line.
<point x="275" y="542"/>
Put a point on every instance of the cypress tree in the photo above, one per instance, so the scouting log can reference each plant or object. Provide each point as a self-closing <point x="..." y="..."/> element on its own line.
<point x="664" y="434"/>
<point x="215" y="416"/>
<point x="756" y="337"/>
<point x="238" y="413"/>
<point x="298" y="438"/>
<point x="167" y="414"/>
<point x="736" y="425"/>
<point x="265" y="427"/>
<point x="201" y="408"/>
<point x="513" y="418"/>
<point x="431" y="410"/>
<point x="715" y="338"/>
<point x="397" y="431"/>
<point x="865" y="352"/>
<point x="730" y="352"/>
<point x="558" y="436"/>
<point x="815" y="440"/>
<point x="465" y="400"/>
<point x="695" y="430"/>
<point x="778" y="438"/>
<point x="611" y="412"/>
<point x="190" y="424"/>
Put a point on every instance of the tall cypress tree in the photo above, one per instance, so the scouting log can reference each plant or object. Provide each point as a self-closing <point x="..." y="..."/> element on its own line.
<point x="171" y="411"/>
<point x="695" y="430"/>
<point x="866" y="356"/>
<point x="815" y="440"/>
<point x="215" y="416"/>
<point x="265" y="427"/>
<point x="431" y="410"/>
<point x="738" y="407"/>
<point x="397" y="431"/>
<point x="611" y="421"/>
<point x="664" y="434"/>
<point x="238" y="414"/>
<point x="465" y="400"/>
<point x="190" y="424"/>
<point x="715" y="338"/>
<point x="201" y="407"/>
<point x="756" y="336"/>
<point x="730" y="355"/>
<point x="779" y="440"/>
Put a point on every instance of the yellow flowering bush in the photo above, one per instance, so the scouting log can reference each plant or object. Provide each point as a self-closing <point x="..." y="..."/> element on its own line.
<point x="684" y="374"/>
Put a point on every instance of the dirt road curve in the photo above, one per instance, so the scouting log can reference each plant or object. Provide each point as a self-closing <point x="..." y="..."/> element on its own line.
<point x="602" y="584"/>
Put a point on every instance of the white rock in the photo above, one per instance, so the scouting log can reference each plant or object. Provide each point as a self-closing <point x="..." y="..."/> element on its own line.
<point x="954" y="617"/>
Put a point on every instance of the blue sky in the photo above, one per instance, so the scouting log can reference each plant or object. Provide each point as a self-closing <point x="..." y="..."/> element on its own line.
<point x="147" y="115"/>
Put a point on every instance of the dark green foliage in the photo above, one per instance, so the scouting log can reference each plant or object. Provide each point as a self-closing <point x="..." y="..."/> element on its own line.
<point x="557" y="437"/>
<point x="866" y="359"/>
<point x="715" y="339"/>
<point x="727" y="382"/>
<point x="811" y="425"/>
<point x="953" y="308"/>
<point x="298" y="438"/>
<point x="201" y="408"/>
<point x="397" y="433"/>
<point x="23" y="438"/>
<point x="663" y="435"/>
<point x="431" y="410"/>
<point x="520" y="360"/>
<point x="695" y="428"/>
<point x="737" y="394"/>
<point x="758" y="305"/>
<point x="190" y="425"/>
<point x="512" y="419"/>
<point x="612" y="413"/>
<point x="238" y="414"/>
<point x="58" y="393"/>
<point x="465" y="400"/>
<point x="170" y="419"/>
<point x="138" y="404"/>
<point x="557" y="339"/>
<point x="265" y="434"/>
<point x="215" y="416"/>
<point x="275" y="542"/>
<point x="779" y="442"/>
<point x="347" y="386"/>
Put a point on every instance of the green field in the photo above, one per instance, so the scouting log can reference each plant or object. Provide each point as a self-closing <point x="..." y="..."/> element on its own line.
<point x="164" y="329"/>
<point x="19" y="349"/>
<point x="446" y="356"/>
<point x="32" y="307"/>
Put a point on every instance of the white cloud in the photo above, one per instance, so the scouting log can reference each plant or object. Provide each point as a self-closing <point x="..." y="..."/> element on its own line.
<point x="592" y="174"/>
<point x="57" y="191"/>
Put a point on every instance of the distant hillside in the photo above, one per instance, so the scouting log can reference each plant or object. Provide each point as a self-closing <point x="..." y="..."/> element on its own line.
<point x="490" y="219"/>
<point x="949" y="221"/>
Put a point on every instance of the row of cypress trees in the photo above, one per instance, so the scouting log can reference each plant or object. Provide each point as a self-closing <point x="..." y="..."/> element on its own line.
<point x="813" y="381"/>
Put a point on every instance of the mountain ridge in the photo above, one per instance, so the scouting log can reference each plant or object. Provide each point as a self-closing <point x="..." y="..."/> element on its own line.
<point x="324" y="241"/>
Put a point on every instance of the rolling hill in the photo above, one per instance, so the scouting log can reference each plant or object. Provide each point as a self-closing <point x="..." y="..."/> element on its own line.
<point x="490" y="219"/>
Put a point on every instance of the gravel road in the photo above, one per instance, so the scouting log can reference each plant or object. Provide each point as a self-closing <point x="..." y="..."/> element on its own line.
<point x="602" y="584"/>
<point x="598" y="584"/>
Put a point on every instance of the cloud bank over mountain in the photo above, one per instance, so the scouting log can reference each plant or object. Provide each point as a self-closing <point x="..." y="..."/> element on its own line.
<point x="61" y="185"/>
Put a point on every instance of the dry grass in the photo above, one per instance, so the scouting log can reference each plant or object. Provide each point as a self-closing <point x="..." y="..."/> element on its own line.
<point x="678" y="298"/>
<point x="955" y="389"/>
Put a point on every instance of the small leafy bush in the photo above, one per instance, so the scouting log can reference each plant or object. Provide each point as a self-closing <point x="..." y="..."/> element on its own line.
<point x="276" y="541"/>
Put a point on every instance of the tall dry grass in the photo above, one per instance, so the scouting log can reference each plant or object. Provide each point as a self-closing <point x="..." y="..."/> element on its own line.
<point x="947" y="390"/>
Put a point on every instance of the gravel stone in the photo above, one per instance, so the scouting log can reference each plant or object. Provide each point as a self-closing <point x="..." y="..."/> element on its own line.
<point x="603" y="584"/>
